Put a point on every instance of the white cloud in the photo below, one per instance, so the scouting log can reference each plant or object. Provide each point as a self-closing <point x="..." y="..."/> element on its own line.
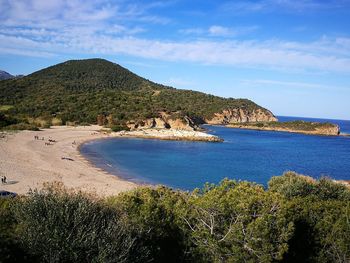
<point x="325" y="55"/>
<point x="36" y="28"/>
<point x="58" y="13"/>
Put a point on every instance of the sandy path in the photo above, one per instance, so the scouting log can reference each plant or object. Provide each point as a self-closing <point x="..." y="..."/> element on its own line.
<point x="28" y="163"/>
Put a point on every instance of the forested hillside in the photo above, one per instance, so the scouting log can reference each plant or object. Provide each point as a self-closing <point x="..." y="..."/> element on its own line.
<point x="80" y="90"/>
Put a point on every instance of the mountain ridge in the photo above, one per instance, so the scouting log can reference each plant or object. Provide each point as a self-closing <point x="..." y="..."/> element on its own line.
<point x="5" y="75"/>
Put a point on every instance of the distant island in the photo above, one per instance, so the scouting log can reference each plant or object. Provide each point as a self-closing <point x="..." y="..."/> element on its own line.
<point x="305" y="127"/>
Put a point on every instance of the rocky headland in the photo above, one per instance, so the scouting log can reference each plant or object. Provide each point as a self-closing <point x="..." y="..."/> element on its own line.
<point x="176" y="126"/>
<point x="311" y="128"/>
<point x="175" y="122"/>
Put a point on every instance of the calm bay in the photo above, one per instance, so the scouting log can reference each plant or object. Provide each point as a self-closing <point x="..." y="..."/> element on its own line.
<point x="244" y="155"/>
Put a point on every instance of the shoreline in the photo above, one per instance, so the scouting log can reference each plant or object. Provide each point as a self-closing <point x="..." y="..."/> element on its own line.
<point x="28" y="163"/>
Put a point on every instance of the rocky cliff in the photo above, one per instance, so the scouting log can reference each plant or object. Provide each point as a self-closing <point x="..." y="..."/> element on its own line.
<point x="165" y="121"/>
<point x="241" y="116"/>
<point x="177" y="121"/>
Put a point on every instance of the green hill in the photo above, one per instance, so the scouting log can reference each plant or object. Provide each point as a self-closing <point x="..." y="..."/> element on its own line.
<point x="81" y="90"/>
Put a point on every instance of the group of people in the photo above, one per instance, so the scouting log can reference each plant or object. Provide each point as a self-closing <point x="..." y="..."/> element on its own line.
<point x="36" y="137"/>
<point x="3" y="179"/>
<point x="50" y="141"/>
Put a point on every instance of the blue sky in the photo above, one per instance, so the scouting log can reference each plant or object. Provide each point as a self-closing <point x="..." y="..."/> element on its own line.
<point x="292" y="57"/>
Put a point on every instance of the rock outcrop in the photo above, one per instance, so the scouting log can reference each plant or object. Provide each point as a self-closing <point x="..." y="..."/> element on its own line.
<point x="165" y="121"/>
<point x="177" y="121"/>
<point x="335" y="130"/>
<point x="241" y="116"/>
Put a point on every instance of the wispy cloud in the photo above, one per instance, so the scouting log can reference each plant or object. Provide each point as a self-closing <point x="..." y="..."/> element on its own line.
<point x="219" y="31"/>
<point x="58" y="13"/>
<point x="325" y="55"/>
<point x="101" y="27"/>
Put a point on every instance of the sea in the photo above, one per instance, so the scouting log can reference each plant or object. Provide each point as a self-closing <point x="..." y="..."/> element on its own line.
<point x="245" y="155"/>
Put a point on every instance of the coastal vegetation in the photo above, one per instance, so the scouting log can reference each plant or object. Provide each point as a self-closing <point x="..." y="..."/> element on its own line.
<point x="295" y="219"/>
<point x="83" y="91"/>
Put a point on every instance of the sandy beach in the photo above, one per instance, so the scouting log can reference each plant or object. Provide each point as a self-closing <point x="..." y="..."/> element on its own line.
<point x="28" y="163"/>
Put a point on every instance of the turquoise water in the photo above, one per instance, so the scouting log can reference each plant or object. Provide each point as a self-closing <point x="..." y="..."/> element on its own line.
<point x="244" y="155"/>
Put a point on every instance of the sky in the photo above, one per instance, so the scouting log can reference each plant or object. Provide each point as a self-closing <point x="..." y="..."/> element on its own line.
<point x="290" y="56"/>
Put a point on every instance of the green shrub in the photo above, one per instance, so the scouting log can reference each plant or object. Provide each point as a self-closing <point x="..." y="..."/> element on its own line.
<point x="327" y="189"/>
<point x="117" y="128"/>
<point x="6" y="120"/>
<point x="322" y="231"/>
<point x="229" y="222"/>
<point x="238" y="222"/>
<point x="10" y="247"/>
<point x="61" y="226"/>
<point x="156" y="211"/>
<point x="292" y="185"/>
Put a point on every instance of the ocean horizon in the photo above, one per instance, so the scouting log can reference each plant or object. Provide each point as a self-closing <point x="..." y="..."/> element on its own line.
<point x="247" y="155"/>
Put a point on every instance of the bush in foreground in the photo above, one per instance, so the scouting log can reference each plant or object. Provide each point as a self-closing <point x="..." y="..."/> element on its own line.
<point x="292" y="185"/>
<point x="295" y="220"/>
<point x="320" y="210"/>
<point x="238" y="222"/>
<point x="56" y="225"/>
<point x="158" y="212"/>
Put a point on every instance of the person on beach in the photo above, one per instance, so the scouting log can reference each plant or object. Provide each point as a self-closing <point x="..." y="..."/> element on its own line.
<point x="2" y="179"/>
